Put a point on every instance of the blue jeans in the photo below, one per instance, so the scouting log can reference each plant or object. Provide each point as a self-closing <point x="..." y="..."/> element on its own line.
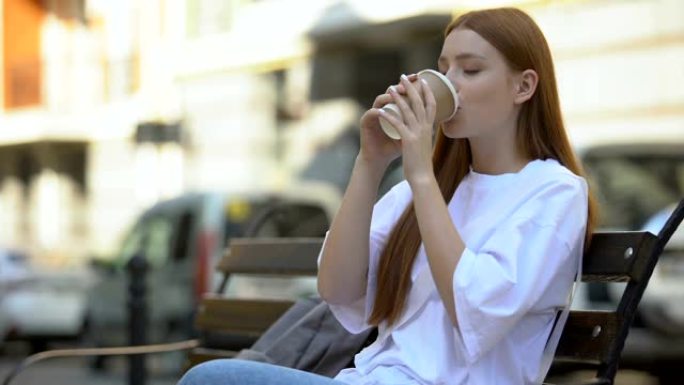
<point x="240" y="372"/>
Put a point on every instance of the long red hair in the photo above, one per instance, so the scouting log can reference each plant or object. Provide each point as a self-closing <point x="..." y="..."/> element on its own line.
<point x="540" y="135"/>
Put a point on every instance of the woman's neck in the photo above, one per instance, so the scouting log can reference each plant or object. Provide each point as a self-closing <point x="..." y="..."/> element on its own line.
<point x="496" y="157"/>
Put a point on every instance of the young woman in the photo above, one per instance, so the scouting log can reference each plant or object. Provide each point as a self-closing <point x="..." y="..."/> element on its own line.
<point x="464" y="266"/>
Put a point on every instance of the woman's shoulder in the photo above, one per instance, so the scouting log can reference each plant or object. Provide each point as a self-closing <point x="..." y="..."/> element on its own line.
<point x="548" y="189"/>
<point x="549" y="192"/>
<point x="549" y="173"/>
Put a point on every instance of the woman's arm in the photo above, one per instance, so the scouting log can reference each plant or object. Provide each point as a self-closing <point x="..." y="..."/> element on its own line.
<point x="343" y="269"/>
<point x="443" y="243"/>
<point x="342" y="274"/>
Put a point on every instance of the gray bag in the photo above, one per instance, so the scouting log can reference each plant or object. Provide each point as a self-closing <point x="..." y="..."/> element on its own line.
<point x="309" y="338"/>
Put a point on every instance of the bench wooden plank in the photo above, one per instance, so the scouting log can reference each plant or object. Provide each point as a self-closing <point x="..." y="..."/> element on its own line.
<point x="240" y="316"/>
<point x="272" y="256"/>
<point x="587" y="336"/>
<point x="612" y="256"/>
<point x="617" y="256"/>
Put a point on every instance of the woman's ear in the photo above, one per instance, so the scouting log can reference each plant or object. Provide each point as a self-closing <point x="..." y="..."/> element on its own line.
<point x="527" y="85"/>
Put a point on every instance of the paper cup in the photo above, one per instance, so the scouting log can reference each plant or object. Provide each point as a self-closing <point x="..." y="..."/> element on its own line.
<point x="445" y="97"/>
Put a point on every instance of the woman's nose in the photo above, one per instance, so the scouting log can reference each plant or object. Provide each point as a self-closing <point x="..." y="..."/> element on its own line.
<point x="451" y="75"/>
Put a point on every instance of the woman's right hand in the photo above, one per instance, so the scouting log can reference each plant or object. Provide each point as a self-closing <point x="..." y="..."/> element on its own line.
<point x="376" y="147"/>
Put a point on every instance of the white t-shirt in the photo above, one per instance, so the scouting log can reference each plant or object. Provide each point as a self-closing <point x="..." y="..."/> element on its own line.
<point x="524" y="235"/>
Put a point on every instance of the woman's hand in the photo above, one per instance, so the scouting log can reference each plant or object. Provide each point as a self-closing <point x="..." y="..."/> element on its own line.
<point x="418" y="110"/>
<point x="376" y="147"/>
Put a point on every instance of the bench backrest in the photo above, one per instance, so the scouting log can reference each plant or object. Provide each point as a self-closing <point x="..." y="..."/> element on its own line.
<point x="598" y="337"/>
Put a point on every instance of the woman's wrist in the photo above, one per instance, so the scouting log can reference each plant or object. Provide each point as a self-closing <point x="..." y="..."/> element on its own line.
<point x="370" y="169"/>
<point x="422" y="181"/>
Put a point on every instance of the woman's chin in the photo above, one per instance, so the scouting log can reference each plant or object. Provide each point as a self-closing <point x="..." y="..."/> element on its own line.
<point x="452" y="130"/>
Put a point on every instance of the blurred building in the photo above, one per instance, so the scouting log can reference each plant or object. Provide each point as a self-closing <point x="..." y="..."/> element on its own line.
<point x="108" y="106"/>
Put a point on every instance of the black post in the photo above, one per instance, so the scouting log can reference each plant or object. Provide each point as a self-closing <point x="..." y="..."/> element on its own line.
<point x="137" y="317"/>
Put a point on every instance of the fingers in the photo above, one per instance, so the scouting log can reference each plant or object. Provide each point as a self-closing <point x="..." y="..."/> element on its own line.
<point x="381" y="100"/>
<point x="414" y="93"/>
<point x="409" y="89"/>
<point x="429" y="100"/>
<point x="411" y="106"/>
<point x="400" y="87"/>
<point x="397" y="123"/>
<point x="385" y="98"/>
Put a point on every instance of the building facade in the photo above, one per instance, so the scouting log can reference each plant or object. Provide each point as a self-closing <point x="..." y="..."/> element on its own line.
<point x="107" y="107"/>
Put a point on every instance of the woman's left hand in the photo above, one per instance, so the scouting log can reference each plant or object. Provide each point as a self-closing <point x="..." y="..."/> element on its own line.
<point x="418" y="109"/>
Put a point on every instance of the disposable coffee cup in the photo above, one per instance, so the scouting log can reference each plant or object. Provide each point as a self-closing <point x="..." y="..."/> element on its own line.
<point x="445" y="98"/>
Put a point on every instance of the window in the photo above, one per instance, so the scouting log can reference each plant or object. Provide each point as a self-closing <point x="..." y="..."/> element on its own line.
<point x="181" y="246"/>
<point x="152" y="237"/>
<point x="290" y="220"/>
<point x="158" y="241"/>
<point x="21" y="27"/>
<point x="208" y="17"/>
<point x="632" y="188"/>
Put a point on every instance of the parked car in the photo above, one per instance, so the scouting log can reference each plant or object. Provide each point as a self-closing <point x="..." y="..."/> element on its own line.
<point x="182" y="239"/>
<point x="13" y="269"/>
<point x="47" y="306"/>
<point x="14" y="266"/>
<point x="39" y="306"/>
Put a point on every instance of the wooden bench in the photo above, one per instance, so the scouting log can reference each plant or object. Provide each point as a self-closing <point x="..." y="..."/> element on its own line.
<point x="590" y="338"/>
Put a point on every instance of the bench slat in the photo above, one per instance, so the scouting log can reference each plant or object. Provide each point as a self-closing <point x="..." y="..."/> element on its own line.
<point x="587" y="336"/>
<point x="278" y="256"/>
<point x="605" y="260"/>
<point x="239" y="316"/>
<point x="617" y="256"/>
